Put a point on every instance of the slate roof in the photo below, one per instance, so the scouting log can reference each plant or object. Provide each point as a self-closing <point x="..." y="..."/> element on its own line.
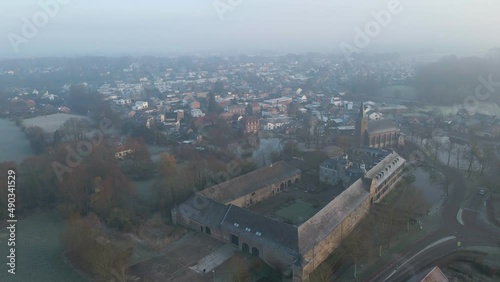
<point x="430" y="275"/>
<point x="271" y="232"/>
<point x="327" y="219"/>
<point x="334" y="162"/>
<point x="381" y="126"/>
<point x="388" y="165"/>
<point x="242" y="185"/>
<point x="203" y="210"/>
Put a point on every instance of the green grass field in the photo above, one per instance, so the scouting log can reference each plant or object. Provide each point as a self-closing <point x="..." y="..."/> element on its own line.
<point x="39" y="251"/>
<point x="297" y="211"/>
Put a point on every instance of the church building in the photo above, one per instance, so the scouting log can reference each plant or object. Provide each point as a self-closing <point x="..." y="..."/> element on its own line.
<point x="382" y="133"/>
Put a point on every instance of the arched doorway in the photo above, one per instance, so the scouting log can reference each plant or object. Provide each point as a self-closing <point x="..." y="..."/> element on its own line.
<point x="282" y="186"/>
<point x="255" y="251"/>
<point x="296" y="180"/>
<point x="245" y="248"/>
<point x="289" y="183"/>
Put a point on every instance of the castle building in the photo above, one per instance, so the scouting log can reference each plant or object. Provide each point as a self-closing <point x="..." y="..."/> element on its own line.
<point x="296" y="250"/>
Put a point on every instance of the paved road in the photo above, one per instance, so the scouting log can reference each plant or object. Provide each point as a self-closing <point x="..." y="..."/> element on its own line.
<point x="444" y="240"/>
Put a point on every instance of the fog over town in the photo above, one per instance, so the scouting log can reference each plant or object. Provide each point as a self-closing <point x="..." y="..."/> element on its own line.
<point x="156" y="27"/>
<point x="234" y="140"/>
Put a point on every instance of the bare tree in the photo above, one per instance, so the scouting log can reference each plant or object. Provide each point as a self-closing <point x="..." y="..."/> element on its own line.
<point x="458" y="151"/>
<point x="437" y="148"/>
<point x="449" y="148"/>
<point x="75" y="128"/>
<point x="470" y="157"/>
<point x="485" y="156"/>
<point x="355" y="245"/>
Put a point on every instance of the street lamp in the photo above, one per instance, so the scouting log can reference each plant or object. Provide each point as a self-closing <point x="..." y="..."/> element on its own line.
<point x="213" y="272"/>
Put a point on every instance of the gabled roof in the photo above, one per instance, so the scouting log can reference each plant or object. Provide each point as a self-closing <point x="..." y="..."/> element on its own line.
<point x="381" y="126"/>
<point x="171" y="116"/>
<point x="242" y="185"/>
<point x="334" y="162"/>
<point x="388" y="165"/>
<point x="261" y="228"/>
<point x="203" y="210"/>
<point x="430" y="275"/>
<point x="327" y="219"/>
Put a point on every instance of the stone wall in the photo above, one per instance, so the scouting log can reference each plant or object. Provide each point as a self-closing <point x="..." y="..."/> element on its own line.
<point x="214" y="232"/>
<point x="323" y="249"/>
<point x="265" y="192"/>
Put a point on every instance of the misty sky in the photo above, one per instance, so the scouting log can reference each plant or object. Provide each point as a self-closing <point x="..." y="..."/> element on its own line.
<point x="160" y="27"/>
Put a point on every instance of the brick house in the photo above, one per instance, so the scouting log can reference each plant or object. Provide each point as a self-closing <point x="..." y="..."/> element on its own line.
<point x="250" y="125"/>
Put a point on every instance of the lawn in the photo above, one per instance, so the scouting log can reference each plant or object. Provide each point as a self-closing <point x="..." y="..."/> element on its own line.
<point x="39" y="250"/>
<point x="297" y="211"/>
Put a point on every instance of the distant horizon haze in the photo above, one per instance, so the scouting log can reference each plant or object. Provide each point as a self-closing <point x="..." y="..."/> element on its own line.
<point x="162" y="28"/>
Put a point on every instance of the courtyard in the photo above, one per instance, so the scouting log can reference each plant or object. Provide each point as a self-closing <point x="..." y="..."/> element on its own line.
<point x="296" y="203"/>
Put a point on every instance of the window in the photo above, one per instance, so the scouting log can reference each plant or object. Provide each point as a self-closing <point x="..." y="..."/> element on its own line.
<point x="235" y="240"/>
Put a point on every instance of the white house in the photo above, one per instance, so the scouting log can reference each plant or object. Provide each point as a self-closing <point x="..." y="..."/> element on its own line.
<point x="275" y="123"/>
<point x="123" y="102"/>
<point x="348" y="105"/>
<point x="140" y="105"/>
<point x="197" y="113"/>
<point x="336" y="101"/>
<point x="373" y="115"/>
<point x="122" y="151"/>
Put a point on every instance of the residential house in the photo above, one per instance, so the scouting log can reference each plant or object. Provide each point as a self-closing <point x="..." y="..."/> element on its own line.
<point x="274" y="123"/>
<point x="237" y="109"/>
<point x="373" y="115"/>
<point x="122" y="151"/>
<point x="334" y="171"/>
<point x="180" y="114"/>
<point x="194" y="105"/>
<point x="197" y="113"/>
<point x="250" y="125"/>
<point x="160" y="118"/>
<point x="140" y="105"/>
<point x="256" y="108"/>
<point x="172" y="121"/>
<point x="64" y="110"/>
<point x="150" y="121"/>
<point x="123" y="102"/>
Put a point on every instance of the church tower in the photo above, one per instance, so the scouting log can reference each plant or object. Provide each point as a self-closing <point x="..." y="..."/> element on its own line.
<point x="361" y="126"/>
